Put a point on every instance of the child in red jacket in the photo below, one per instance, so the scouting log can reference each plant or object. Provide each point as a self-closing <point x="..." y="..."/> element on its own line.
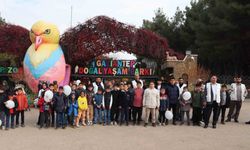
<point x="22" y="106"/>
<point x="12" y="111"/>
<point x="44" y="108"/>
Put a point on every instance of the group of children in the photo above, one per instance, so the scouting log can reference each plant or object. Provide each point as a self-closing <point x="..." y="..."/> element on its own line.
<point x="10" y="116"/>
<point x="118" y="104"/>
<point x="198" y="103"/>
<point x="109" y="105"/>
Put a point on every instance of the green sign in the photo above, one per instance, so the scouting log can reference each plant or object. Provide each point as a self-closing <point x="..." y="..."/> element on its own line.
<point x="8" y="70"/>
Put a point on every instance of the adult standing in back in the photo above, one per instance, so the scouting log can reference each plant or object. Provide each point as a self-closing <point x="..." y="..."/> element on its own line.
<point x="137" y="79"/>
<point x="98" y="84"/>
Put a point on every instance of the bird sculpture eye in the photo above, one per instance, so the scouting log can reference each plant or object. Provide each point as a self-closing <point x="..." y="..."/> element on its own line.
<point x="47" y="31"/>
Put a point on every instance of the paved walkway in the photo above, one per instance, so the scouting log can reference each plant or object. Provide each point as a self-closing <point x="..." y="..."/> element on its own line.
<point x="231" y="136"/>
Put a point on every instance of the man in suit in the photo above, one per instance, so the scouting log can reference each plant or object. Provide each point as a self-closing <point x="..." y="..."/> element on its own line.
<point x="212" y="93"/>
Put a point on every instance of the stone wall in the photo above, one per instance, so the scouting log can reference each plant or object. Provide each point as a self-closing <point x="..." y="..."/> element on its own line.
<point x="186" y="68"/>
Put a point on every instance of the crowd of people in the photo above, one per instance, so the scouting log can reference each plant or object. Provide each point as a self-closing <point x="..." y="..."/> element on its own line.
<point x="127" y="103"/>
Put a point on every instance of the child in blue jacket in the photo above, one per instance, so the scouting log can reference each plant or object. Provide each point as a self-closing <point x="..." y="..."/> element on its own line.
<point x="73" y="109"/>
<point x="98" y="106"/>
<point x="164" y="104"/>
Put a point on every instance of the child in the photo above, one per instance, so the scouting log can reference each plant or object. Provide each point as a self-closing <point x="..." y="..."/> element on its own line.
<point x="60" y="104"/>
<point x="3" y="109"/>
<point x="114" y="108"/>
<point x="164" y="103"/>
<point x="107" y="101"/>
<point x="44" y="111"/>
<point x="82" y="108"/>
<point x="185" y="107"/>
<point x="73" y="110"/>
<point x="197" y="104"/>
<point x="137" y="103"/>
<point x="52" y="111"/>
<point x="124" y="104"/>
<point x="98" y="106"/>
<point x="224" y="103"/>
<point x="13" y="110"/>
<point x="90" y="97"/>
<point x="22" y="106"/>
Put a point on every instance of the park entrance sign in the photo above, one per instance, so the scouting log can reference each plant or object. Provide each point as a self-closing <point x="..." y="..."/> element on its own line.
<point x="108" y="67"/>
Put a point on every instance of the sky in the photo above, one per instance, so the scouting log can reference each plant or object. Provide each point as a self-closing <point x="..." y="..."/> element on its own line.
<point x="27" y="12"/>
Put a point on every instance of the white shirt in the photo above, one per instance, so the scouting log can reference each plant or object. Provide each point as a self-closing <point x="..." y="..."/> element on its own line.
<point x="134" y="83"/>
<point x="214" y="89"/>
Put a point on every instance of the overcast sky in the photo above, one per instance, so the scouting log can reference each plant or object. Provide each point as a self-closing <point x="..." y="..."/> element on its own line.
<point x="26" y="12"/>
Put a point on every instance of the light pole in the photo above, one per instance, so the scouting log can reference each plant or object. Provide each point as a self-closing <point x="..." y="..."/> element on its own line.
<point x="71" y="13"/>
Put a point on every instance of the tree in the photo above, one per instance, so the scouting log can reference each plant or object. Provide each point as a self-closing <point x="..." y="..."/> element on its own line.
<point x="219" y="31"/>
<point x="2" y="20"/>
<point x="170" y="28"/>
<point x="222" y="34"/>
<point x="101" y="35"/>
<point x="14" y="42"/>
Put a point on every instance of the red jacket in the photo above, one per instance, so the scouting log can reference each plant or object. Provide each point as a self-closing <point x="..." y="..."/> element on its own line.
<point x="22" y="102"/>
<point x="13" y="110"/>
<point x="138" y="97"/>
<point x="41" y="104"/>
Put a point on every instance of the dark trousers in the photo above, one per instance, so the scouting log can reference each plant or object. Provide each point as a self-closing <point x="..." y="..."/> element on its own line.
<point x="162" y="118"/>
<point x="22" y="117"/>
<point x="137" y="112"/>
<point x="173" y="107"/>
<point x="114" y="114"/>
<point x="60" y="121"/>
<point x="5" y="117"/>
<point x="124" y="115"/>
<point x="44" y="118"/>
<point x="52" y="117"/>
<point x="197" y="115"/>
<point x="178" y="112"/>
<point x="182" y="116"/>
<point x="234" y="104"/>
<point x="130" y="114"/>
<point x="12" y="118"/>
<point x="71" y="119"/>
<point x="39" y="118"/>
<point x="222" y="111"/>
<point x="208" y="110"/>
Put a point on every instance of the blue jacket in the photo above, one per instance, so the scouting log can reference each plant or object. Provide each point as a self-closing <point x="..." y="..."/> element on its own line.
<point x="60" y="102"/>
<point x="73" y="108"/>
<point x="164" y="104"/>
<point x="173" y="93"/>
<point x="98" y="99"/>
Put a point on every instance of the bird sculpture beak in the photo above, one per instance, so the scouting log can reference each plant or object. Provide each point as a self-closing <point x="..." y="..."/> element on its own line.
<point x="38" y="42"/>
